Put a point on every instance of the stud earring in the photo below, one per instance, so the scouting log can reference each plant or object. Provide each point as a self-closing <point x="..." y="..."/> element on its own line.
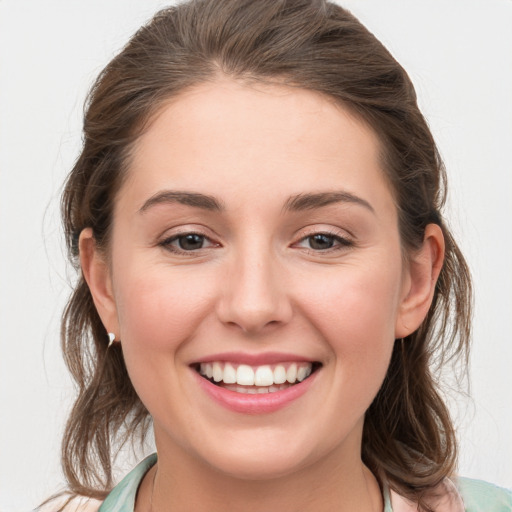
<point x="111" y="338"/>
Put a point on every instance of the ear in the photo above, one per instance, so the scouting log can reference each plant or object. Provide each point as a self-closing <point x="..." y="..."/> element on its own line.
<point x="420" y="280"/>
<point x="98" y="277"/>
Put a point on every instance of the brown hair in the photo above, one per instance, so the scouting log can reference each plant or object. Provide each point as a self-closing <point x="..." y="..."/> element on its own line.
<point x="408" y="436"/>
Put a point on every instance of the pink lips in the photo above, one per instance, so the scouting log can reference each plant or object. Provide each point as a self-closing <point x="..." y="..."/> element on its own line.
<point x="254" y="359"/>
<point x="254" y="403"/>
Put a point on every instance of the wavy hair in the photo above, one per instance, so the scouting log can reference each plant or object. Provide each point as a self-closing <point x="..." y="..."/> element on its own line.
<point x="408" y="436"/>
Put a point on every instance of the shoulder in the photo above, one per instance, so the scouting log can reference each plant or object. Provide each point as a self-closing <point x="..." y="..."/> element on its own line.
<point x="480" y="496"/>
<point x="67" y="504"/>
<point x="460" y="495"/>
<point x="122" y="497"/>
<point x="445" y="497"/>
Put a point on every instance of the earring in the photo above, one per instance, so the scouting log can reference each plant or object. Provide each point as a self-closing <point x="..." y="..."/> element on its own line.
<point x="111" y="338"/>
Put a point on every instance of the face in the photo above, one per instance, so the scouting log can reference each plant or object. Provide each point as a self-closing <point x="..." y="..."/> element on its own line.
<point x="256" y="277"/>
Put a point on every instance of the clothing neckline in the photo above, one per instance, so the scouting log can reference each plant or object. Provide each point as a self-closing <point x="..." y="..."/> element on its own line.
<point x="122" y="497"/>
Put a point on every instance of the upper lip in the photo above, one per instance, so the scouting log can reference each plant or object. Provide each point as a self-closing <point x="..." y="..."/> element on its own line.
<point x="254" y="359"/>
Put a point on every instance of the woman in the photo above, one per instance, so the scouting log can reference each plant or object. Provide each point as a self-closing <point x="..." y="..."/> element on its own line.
<point x="266" y="273"/>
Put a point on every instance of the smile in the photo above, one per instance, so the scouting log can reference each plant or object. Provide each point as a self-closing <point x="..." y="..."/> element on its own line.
<point x="243" y="378"/>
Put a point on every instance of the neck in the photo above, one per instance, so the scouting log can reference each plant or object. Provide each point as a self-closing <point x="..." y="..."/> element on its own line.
<point x="180" y="484"/>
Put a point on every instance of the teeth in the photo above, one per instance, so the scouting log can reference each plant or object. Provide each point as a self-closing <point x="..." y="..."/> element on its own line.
<point x="253" y="390"/>
<point x="279" y="374"/>
<point x="229" y="374"/>
<point x="291" y="373"/>
<point x="245" y="375"/>
<point x="218" y="372"/>
<point x="264" y="376"/>
<point x="302" y="373"/>
<point x="261" y="376"/>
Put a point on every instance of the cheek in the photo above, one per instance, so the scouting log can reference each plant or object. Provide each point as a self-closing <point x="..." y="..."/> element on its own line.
<point x="159" y="312"/>
<point x="159" y="308"/>
<point x="355" y="310"/>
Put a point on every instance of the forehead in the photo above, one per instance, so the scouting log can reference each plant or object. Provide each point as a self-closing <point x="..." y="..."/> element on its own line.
<point x="226" y="135"/>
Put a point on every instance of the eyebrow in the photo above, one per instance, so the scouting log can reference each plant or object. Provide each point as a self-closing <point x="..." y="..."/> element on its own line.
<point x="194" y="199"/>
<point x="301" y="202"/>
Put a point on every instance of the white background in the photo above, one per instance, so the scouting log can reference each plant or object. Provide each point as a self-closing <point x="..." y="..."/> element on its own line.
<point x="459" y="55"/>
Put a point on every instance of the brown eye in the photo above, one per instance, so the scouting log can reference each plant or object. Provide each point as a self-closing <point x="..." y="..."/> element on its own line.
<point x="321" y="242"/>
<point x="324" y="242"/>
<point x="187" y="243"/>
<point x="190" y="242"/>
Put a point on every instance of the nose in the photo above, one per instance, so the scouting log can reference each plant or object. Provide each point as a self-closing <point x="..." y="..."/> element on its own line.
<point x="254" y="296"/>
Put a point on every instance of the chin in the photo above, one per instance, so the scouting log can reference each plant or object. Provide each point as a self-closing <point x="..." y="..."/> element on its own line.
<point x="266" y="460"/>
<point x="260" y="470"/>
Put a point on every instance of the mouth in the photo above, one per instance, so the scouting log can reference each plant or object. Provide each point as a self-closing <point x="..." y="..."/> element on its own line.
<point x="246" y="379"/>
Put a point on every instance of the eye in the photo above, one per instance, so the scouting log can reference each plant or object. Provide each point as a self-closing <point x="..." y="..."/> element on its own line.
<point x="324" y="242"/>
<point x="190" y="242"/>
<point x="187" y="242"/>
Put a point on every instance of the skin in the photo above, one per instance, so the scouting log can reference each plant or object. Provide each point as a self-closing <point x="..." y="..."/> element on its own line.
<point x="259" y="284"/>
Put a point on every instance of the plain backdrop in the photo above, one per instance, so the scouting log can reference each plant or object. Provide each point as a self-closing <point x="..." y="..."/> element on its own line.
<point x="459" y="55"/>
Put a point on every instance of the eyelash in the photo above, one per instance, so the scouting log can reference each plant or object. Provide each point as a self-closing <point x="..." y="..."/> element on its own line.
<point x="166" y="244"/>
<point x="341" y="242"/>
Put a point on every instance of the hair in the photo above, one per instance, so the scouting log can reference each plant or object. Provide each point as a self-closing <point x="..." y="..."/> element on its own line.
<point x="408" y="437"/>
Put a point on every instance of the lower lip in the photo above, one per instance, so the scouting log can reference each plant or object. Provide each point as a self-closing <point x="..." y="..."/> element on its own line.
<point x="255" y="404"/>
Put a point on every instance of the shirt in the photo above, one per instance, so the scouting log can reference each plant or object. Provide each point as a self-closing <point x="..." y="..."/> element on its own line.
<point x="462" y="495"/>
